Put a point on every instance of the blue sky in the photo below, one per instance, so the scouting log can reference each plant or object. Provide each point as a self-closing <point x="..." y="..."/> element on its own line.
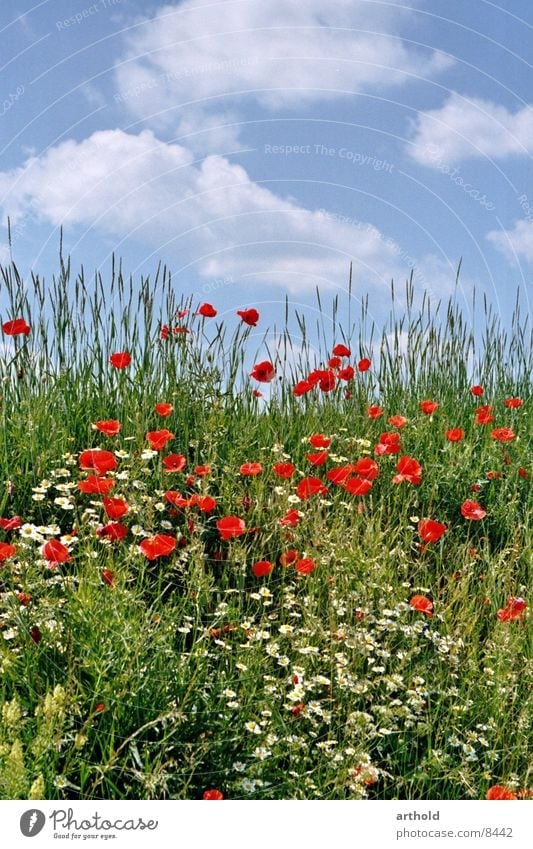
<point x="257" y="148"/>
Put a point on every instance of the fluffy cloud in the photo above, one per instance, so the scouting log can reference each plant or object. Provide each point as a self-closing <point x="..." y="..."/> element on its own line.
<point x="515" y="243"/>
<point x="191" y="61"/>
<point x="208" y="214"/>
<point x="469" y="127"/>
<point x="103" y="181"/>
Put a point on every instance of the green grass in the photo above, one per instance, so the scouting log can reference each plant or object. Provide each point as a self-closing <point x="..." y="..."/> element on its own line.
<point x="188" y="672"/>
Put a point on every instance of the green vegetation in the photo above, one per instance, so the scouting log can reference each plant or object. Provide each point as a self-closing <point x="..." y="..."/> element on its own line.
<point x="345" y="653"/>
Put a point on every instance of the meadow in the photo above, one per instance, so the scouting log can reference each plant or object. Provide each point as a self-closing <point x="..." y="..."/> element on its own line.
<point x="237" y="567"/>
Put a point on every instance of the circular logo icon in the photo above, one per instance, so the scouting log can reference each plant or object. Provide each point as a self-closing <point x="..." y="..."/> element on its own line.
<point x="32" y="822"/>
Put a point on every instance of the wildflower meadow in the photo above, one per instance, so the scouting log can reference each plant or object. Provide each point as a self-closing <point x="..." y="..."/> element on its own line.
<point x="240" y="562"/>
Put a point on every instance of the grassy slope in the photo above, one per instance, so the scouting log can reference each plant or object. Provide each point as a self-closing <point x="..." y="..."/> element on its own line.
<point x="189" y="672"/>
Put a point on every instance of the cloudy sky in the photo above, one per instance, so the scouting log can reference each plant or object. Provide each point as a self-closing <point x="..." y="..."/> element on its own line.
<point x="257" y="147"/>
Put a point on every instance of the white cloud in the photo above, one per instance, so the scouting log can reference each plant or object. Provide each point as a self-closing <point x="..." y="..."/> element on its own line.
<point x="470" y="127"/>
<point x="515" y="243"/>
<point x="208" y="214"/>
<point x="106" y="179"/>
<point x="191" y="60"/>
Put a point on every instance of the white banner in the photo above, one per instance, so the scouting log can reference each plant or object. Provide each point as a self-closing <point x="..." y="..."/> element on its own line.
<point x="280" y="824"/>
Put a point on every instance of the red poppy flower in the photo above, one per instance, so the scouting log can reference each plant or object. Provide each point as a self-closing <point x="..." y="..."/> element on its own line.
<point x="346" y="373"/>
<point x="472" y="510"/>
<point x="109" y="426"/>
<point x="409" y="470"/>
<point x="98" y="459"/>
<point x="164" y="409"/>
<point x="374" y="412"/>
<point x="96" y="485"/>
<point x="264" y="372"/>
<point x="212" y="795"/>
<point x="358" y="486"/>
<point x="429" y="407"/>
<point x="477" y="391"/>
<point x="513" y="403"/>
<point x="159" y="438"/>
<point x="204" y="503"/>
<point x="177" y="330"/>
<point x="251" y="469"/>
<point x="262" y="568"/>
<point x="305" y="566"/>
<point x="16" y="327"/>
<point x="13" y="524"/>
<point x="108" y="577"/>
<point x="310" y="486"/>
<point x="455" y="434"/>
<point x="319" y="440"/>
<point x="317" y="459"/>
<point x="284" y="470"/>
<point x="397" y="421"/>
<point x="364" y="364"/>
<point x="115" y="507"/>
<point x="515" y="609"/>
<point x="341" y="351"/>
<point x="390" y="438"/>
<point x="503" y="434"/>
<point x="498" y="791"/>
<point x="431" y="531"/>
<point x="35" y="634"/>
<point x="389" y="443"/>
<point x="202" y="471"/>
<point x="334" y="362"/>
<point x="165" y="330"/>
<point x="291" y="519"/>
<point x="302" y="387"/>
<point x="207" y="310"/>
<point x="6" y="551"/>
<point x="367" y="468"/>
<point x="328" y="381"/>
<point x="250" y="317"/>
<point x="114" y="530"/>
<point x="256" y="393"/>
<point x="340" y="474"/>
<point x="174" y="463"/>
<point x="24" y="599"/>
<point x="120" y="360"/>
<point x="422" y="604"/>
<point x="484" y="415"/>
<point x="287" y="558"/>
<point x="316" y="376"/>
<point x="177" y="499"/>
<point x="383" y="448"/>
<point x="523" y="473"/>
<point x="230" y="527"/>
<point x="159" y="545"/>
<point x="55" y="552"/>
